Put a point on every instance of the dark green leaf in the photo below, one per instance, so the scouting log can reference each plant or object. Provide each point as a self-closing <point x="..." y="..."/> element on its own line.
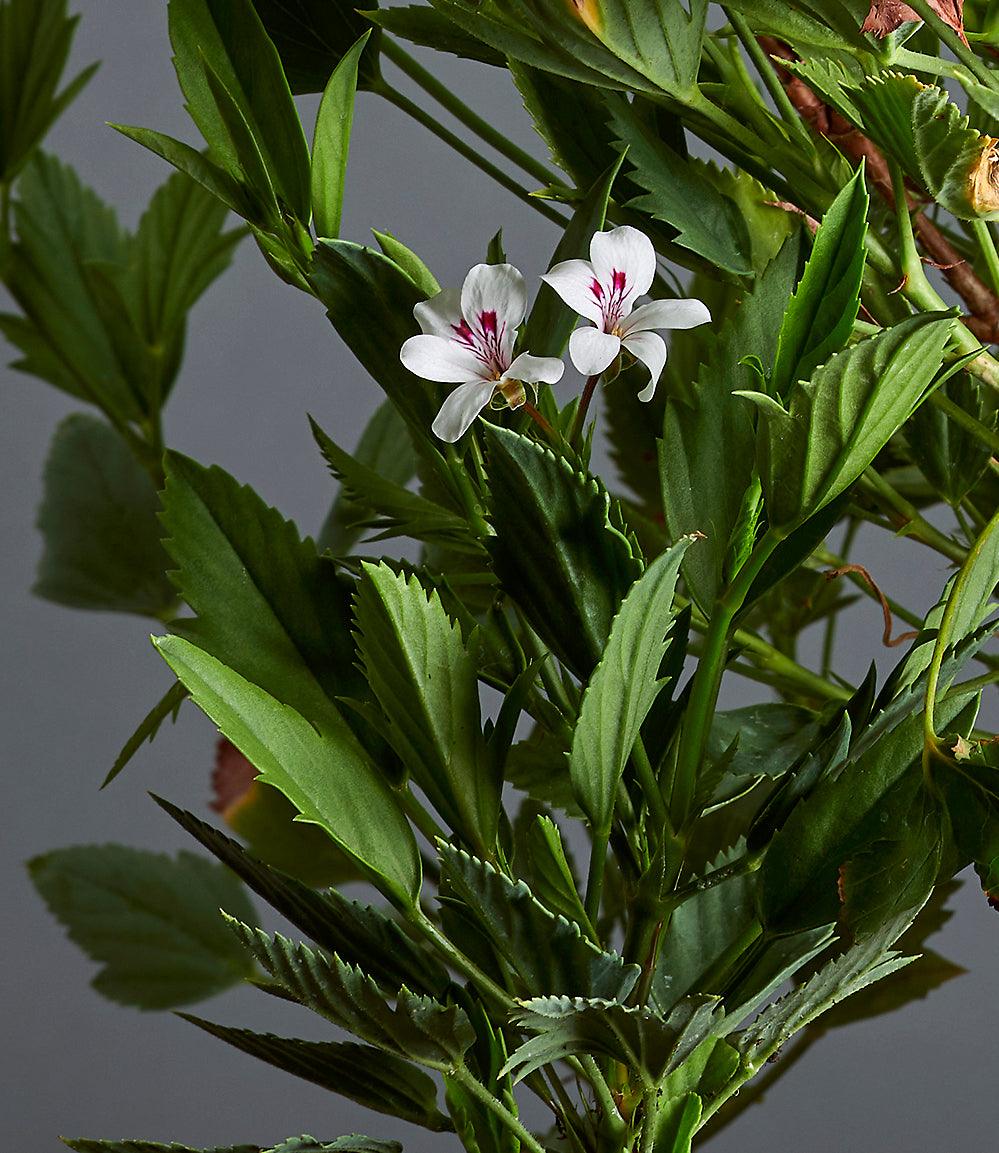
<point x="369" y="301"/>
<point x="331" y="142"/>
<point x="838" y="421"/>
<point x="432" y="29"/>
<point x="152" y="921"/>
<point x="679" y="192"/>
<point x="98" y="521"/>
<point x="646" y="1043"/>
<point x="371" y="1077"/>
<point x="557" y="550"/>
<point x="325" y="773"/>
<point x="425" y="678"/>
<point x="226" y="37"/>
<point x="354" y="1143"/>
<point x="950" y="458"/>
<point x="547" y="952"/>
<point x="820" y="316"/>
<point x="167" y="706"/>
<point x="312" y="36"/>
<point x="417" y="1028"/>
<point x="35" y="39"/>
<point x="88" y="1145"/>
<point x="707" y="457"/>
<point x="358" y="933"/>
<point x="623" y="688"/>
<point x="554" y="881"/>
<point x="380" y="502"/>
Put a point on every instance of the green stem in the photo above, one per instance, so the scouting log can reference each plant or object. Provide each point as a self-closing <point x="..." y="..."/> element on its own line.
<point x="582" y="409"/>
<point x="768" y="74"/>
<point x="482" y="981"/>
<point x="649" y="785"/>
<point x="983" y="234"/>
<point x="914" y="522"/>
<point x="595" y="876"/>
<point x="954" y="42"/>
<point x="461" y="111"/>
<point x="614" y="1122"/>
<point x="404" y="104"/>
<point x="467" y="494"/>
<point x="988" y="436"/>
<point x="497" y="1108"/>
<point x="420" y="817"/>
<point x="707" y="681"/>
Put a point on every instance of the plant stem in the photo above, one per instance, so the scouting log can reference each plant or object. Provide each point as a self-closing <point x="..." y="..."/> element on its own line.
<point x="595" y="876"/>
<point x="707" y="681"/>
<point x="887" y="496"/>
<point x="404" y="104"/>
<point x="768" y="74"/>
<point x="461" y="111"/>
<point x="584" y="405"/>
<point x="601" y="1091"/>
<point x="483" y="982"/>
<point x="649" y="784"/>
<point x="983" y="234"/>
<point x="954" y="42"/>
<point x="481" y="1093"/>
<point x="988" y="436"/>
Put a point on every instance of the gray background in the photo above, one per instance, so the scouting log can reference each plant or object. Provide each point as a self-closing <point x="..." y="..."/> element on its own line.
<point x="259" y="357"/>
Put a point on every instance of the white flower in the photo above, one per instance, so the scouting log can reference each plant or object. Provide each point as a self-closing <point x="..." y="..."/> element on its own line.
<point x="604" y="289"/>
<point x="468" y="340"/>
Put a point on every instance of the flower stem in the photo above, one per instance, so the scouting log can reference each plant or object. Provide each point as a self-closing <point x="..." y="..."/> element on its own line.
<point x="541" y="422"/>
<point x="404" y="104"/>
<point x="583" y="409"/>
<point x="461" y="111"/>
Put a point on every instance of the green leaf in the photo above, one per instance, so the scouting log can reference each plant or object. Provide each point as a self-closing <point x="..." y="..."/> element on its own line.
<point x="359" y="933"/>
<point x="152" y="921"/>
<point x="760" y="741"/>
<point x="354" y="1143"/>
<point x="554" y="880"/>
<point x="707" y="454"/>
<point x="952" y="459"/>
<point x="547" y="952"/>
<point x="571" y="120"/>
<point x="557" y="551"/>
<point x="325" y="774"/>
<point x="35" y="40"/>
<point x="838" y="421"/>
<point x="268" y="606"/>
<point x="432" y="29"/>
<point x="425" y="678"/>
<point x="407" y="260"/>
<point x="623" y="688"/>
<point x="378" y="501"/>
<point x="871" y="959"/>
<point x="98" y="520"/>
<point x="551" y="320"/>
<point x="646" y="1043"/>
<point x="932" y="139"/>
<point x="820" y="315"/>
<point x="196" y="165"/>
<point x="313" y="36"/>
<point x="88" y="1145"/>
<point x="679" y="192"/>
<point x="227" y="39"/>
<point x="866" y="803"/>
<point x="369" y="301"/>
<point x="167" y="706"/>
<point x="331" y="142"/>
<point x="417" y="1028"/>
<point x="63" y="227"/>
<point x="371" y="1077"/>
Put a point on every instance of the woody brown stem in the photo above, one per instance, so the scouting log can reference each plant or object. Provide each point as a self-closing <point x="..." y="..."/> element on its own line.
<point x="980" y="300"/>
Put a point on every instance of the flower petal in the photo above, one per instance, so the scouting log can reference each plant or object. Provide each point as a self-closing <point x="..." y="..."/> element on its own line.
<point x="626" y="250"/>
<point x="536" y="369"/>
<point x="573" y="281"/>
<point x="461" y="408"/>
<point x="497" y="288"/>
<point x="438" y="315"/>
<point x="435" y="358"/>
<point x="592" y="350"/>
<point x="650" y="349"/>
<point x="666" y="314"/>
